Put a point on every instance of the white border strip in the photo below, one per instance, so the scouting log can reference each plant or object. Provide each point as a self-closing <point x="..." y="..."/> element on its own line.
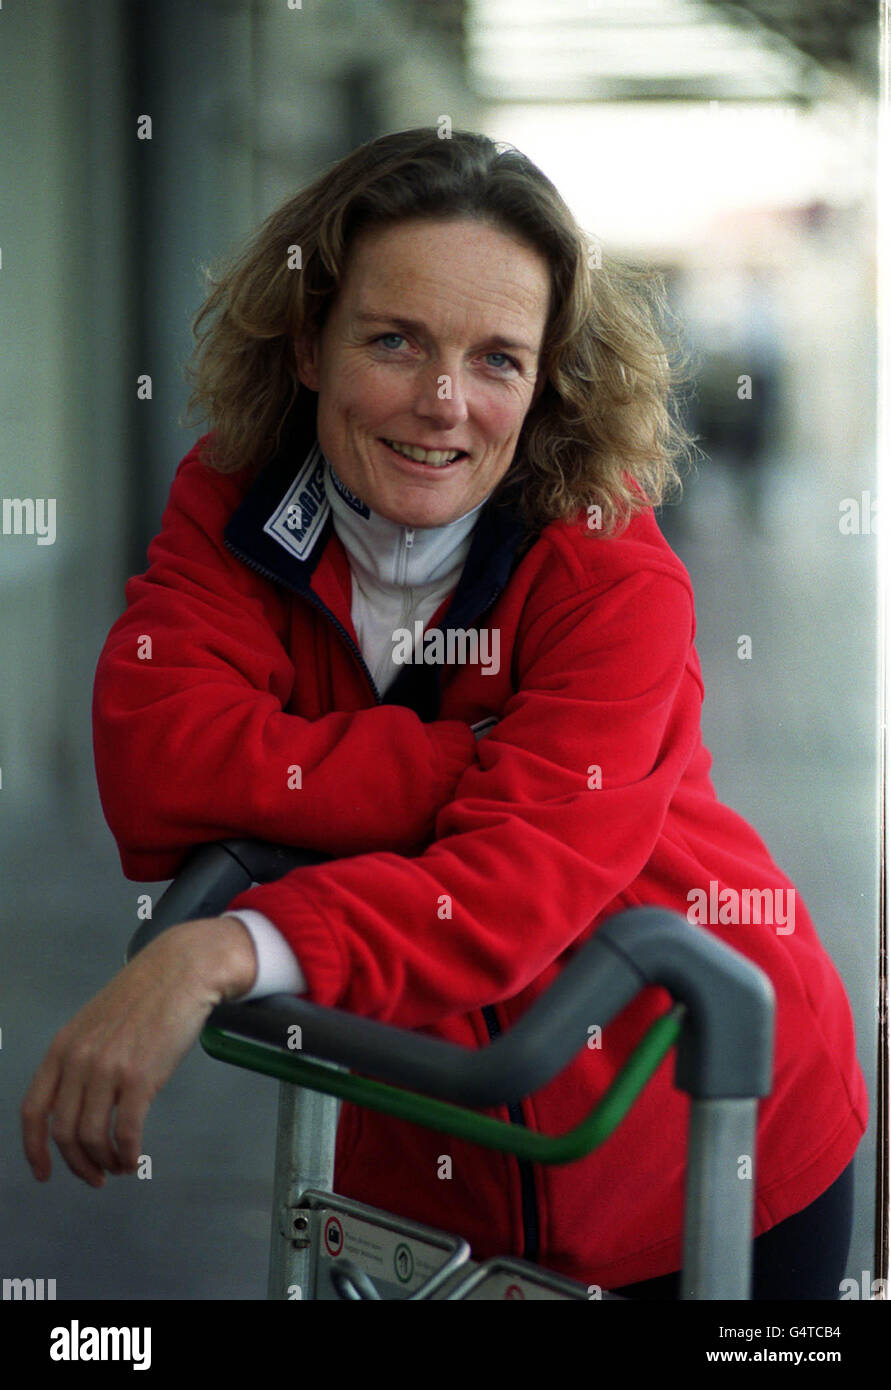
<point x="883" y="479"/>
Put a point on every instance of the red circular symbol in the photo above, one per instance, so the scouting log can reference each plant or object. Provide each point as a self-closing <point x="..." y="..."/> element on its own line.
<point x="514" y="1291"/>
<point x="333" y="1236"/>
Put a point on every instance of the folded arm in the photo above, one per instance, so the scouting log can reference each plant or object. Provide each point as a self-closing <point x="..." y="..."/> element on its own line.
<point x="191" y="740"/>
<point x="535" y="843"/>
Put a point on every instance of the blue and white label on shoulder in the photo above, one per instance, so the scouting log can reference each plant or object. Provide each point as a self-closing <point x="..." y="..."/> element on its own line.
<point x="299" y="517"/>
<point x="350" y="497"/>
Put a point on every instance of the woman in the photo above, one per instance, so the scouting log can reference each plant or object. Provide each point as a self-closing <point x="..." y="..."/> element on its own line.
<point x="410" y="606"/>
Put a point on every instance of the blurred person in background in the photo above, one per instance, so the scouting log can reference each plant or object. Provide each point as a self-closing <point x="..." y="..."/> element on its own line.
<point x="736" y="407"/>
<point x="430" y="414"/>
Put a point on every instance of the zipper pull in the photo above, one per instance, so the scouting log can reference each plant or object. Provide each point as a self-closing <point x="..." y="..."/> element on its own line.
<point x="409" y="537"/>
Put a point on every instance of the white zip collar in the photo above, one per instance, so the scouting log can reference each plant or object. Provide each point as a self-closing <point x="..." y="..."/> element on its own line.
<point x="385" y="553"/>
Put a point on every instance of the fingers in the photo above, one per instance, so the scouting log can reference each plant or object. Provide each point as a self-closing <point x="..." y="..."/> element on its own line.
<point x="98" y="1099"/>
<point x="127" y="1089"/>
<point x="132" y="1110"/>
<point x="48" y="1096"/>
<point x="66" y="1126"/>
<point x="115" y="1056"/>
<point x="34" y="1112"/>
<point x="80" y="1094"/>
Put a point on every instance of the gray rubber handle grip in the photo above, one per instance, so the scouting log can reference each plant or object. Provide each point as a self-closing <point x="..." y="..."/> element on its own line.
<point x="725" y="1049"/>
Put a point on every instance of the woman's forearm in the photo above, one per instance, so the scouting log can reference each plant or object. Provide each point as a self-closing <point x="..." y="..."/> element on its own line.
<point x="220" y="953"/>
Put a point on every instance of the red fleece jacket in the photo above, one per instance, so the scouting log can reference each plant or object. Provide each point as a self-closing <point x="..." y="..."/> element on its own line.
<point x="467" y="872"/>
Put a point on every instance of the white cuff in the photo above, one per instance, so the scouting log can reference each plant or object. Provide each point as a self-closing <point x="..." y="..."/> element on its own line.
<point x="278" y="971"/>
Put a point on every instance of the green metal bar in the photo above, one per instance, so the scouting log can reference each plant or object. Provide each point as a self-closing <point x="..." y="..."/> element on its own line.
<point x="455" y="1119"/>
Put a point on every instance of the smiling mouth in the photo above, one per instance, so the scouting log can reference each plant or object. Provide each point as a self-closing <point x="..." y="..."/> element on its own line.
<point x="433" y="458"/>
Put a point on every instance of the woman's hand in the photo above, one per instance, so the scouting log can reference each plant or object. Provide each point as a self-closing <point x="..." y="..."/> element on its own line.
<point x="121" y="1048"/>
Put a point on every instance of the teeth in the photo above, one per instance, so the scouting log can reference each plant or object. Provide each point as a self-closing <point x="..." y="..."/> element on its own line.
<point x="436" y="457"/>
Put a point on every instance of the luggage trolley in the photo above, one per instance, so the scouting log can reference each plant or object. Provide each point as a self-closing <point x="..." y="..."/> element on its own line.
<point x="324" y="1246"/>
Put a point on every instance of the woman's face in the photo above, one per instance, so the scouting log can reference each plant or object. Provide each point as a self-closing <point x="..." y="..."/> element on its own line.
<point x="433" y="343"/>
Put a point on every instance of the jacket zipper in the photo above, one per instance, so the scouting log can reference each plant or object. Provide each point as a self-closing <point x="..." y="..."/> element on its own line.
<point x="316" y="603"/>
<point x="408" y="536"/>
<point x="527" y="1180"/>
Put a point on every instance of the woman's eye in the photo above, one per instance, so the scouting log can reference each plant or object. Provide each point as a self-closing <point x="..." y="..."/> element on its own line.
<point x="507" y="361"/>
<point x="392" y="341"/>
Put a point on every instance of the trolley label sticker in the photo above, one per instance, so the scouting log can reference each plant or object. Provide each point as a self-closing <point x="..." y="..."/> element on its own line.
<point x="334" y="1237"/>
<point x="387" y="1256"/>
<point x="511" y="1285"/>
<point x="403" y="1262"/>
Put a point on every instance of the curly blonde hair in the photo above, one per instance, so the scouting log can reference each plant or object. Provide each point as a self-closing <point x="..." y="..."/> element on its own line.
<point x="603" y="431"/>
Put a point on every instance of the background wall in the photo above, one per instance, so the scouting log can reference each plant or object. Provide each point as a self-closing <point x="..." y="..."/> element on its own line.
<point x="103" y="241"/>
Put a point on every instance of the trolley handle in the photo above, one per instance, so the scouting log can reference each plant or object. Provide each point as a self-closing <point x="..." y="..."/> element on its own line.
<point x="725" y="1049"/>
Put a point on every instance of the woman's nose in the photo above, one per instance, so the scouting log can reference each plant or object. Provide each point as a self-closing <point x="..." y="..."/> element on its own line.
<point x="441" y="398"/>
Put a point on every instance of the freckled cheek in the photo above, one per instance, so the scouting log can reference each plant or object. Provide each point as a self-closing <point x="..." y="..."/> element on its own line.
<point x="502" y="424"/>
<point x="368" y="398"/>
<point x="354" y="405"/>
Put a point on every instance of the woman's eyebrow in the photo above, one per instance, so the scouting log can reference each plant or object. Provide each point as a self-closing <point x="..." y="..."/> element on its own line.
<point x="415" y="326"/>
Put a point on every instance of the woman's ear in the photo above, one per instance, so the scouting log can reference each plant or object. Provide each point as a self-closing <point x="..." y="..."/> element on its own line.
<point x="306" y="354"/>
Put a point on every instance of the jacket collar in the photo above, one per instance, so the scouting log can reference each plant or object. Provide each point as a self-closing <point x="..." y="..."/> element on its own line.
<point x="388" y="556"/>
<point x="283" y="527"/>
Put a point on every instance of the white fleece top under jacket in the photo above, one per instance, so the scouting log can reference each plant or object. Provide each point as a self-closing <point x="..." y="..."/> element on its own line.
<point x="400" y="574"/>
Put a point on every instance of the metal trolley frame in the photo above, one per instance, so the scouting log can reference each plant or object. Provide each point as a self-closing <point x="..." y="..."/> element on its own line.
<point x="324" y="1246"/>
